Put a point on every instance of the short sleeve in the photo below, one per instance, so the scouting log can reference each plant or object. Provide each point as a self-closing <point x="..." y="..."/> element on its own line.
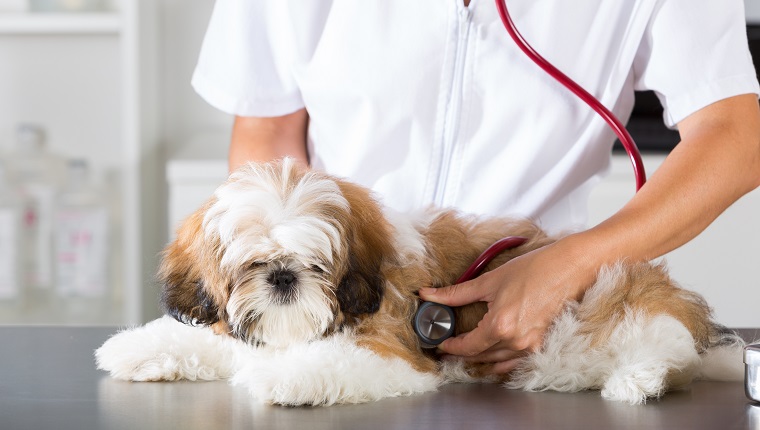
<point x="250" y="53"/>
<point x="695" y="53"/>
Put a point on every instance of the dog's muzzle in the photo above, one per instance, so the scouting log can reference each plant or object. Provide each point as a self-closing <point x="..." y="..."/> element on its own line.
<point x="284" y="283"/>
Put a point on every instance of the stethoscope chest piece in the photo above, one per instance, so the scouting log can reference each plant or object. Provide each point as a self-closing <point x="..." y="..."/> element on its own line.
<point x="433" y="323"/>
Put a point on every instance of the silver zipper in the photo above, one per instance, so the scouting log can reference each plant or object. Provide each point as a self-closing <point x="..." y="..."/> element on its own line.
<point x="453" y="106"/>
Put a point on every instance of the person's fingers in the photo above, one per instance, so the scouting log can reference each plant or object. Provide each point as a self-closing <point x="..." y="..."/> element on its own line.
<point x="454" y="295"/>
<point x="468" y="344"/>
<point x="494" y="355"/>
<point x="503" y="367"/>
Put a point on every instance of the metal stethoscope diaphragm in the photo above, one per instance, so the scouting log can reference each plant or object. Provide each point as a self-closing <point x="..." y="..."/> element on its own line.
<point x="433" y="323"/>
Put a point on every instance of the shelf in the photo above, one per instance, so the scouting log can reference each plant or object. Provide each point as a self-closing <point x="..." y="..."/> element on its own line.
<point x="60" y="23"/>
<point x="105" y="70"/>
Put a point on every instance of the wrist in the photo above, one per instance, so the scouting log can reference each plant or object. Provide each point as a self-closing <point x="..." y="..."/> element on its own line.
<point x="586" y="254"/>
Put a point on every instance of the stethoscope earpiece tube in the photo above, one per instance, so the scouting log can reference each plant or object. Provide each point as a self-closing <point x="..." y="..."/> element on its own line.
<point x="615" y="124"/>
<point x="433" y="323"/>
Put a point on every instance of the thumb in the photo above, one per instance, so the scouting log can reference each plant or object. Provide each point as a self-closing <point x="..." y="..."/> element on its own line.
<point x="454" y="295"/>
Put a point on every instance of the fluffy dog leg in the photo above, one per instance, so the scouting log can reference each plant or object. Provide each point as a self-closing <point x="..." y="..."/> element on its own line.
<point x="329" y="371"/>
<point x="566" y="361"/>
<point x="167" y="350"/>
<point x="650" y="357"/>
<point x="642" y="359"/>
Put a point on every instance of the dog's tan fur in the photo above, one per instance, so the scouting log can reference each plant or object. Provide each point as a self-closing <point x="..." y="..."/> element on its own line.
<point x="648" y="289"/>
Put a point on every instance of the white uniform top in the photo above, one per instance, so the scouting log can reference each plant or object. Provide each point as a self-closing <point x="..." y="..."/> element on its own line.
<point x="429" y="101"/>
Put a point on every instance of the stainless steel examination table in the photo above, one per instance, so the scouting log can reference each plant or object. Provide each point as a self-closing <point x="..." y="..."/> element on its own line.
<point x="48" y="380"/>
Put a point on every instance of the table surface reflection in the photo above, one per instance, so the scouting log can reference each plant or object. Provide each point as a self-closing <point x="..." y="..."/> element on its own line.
<point x="48" y="380"/>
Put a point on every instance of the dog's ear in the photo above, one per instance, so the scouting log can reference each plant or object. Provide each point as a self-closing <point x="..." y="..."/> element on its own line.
<point x="361" y="289"/>
<point x="183" y="293"/>
<point x="369" y="246"/>
<point x="187" y="302"/>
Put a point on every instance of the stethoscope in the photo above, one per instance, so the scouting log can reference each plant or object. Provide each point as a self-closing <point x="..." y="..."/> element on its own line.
<point x="435" y="322"/>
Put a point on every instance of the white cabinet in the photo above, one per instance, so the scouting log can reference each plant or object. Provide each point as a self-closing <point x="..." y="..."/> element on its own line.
<point x="722" y="263"/>
<point x="193" y="173"/>
<point x="90" y="79"/>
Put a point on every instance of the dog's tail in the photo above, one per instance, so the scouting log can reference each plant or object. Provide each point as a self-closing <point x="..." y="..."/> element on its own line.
<point x="724" y="358"/>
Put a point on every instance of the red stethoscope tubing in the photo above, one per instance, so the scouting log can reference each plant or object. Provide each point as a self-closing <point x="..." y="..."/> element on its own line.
<point x="489" y="254"/>
<point x="614" y="123"/>
<point x="609" y="117"/>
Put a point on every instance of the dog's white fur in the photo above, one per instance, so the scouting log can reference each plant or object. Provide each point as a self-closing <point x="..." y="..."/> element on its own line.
<point x="334" y="370"/>
<point x="321" y="372"/>
<point x="304" y="362"/>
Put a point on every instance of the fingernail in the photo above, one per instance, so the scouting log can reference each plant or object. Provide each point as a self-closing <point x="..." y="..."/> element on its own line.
<point x="428" y="291"/>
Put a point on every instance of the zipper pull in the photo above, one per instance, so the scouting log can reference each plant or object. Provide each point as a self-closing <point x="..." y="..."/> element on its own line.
<point x="465" y="14"/>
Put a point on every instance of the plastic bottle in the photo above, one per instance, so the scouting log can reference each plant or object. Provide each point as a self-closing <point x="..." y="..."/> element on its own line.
<point x="81" y="242"/>
<point x="36" y="173"/>
<point x="11" y="287"/>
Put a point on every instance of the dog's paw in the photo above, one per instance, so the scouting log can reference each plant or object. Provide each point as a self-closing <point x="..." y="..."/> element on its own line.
<point x="330" y="371"/>
<point x="166" y="350"/>
<point x="633" y="388"/>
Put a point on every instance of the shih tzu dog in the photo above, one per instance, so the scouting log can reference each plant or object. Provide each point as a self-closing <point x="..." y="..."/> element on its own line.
<point x="301" y="287"/>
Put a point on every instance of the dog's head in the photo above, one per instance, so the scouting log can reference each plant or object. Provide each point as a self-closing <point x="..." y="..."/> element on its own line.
<point x="278" y="255"/>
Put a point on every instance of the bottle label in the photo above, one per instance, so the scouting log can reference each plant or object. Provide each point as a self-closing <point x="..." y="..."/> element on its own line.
<point x="10" y="286"/>
<point x="81" y="252"/>
<point x="38" y="231"/>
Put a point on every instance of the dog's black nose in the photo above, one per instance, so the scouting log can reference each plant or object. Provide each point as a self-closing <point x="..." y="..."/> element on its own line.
<point x="283" y="281"/>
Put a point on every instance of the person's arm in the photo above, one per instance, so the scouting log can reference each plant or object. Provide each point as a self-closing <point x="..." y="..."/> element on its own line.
<point x="716" y="162"/>
<point x="267" y="139"/>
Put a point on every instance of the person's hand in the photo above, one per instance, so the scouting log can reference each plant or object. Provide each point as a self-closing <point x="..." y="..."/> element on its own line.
<point x="524" y="296"/>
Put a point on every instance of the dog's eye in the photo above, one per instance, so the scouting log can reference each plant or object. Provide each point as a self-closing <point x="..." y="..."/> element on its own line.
<point x="317" y="268"/>
<point x="257" y="264"/>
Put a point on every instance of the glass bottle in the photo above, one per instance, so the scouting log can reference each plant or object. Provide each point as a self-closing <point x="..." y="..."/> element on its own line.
<point x="35" y="172"/>
<point x="81" y="244"/>
<point x="11" y="286"/>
